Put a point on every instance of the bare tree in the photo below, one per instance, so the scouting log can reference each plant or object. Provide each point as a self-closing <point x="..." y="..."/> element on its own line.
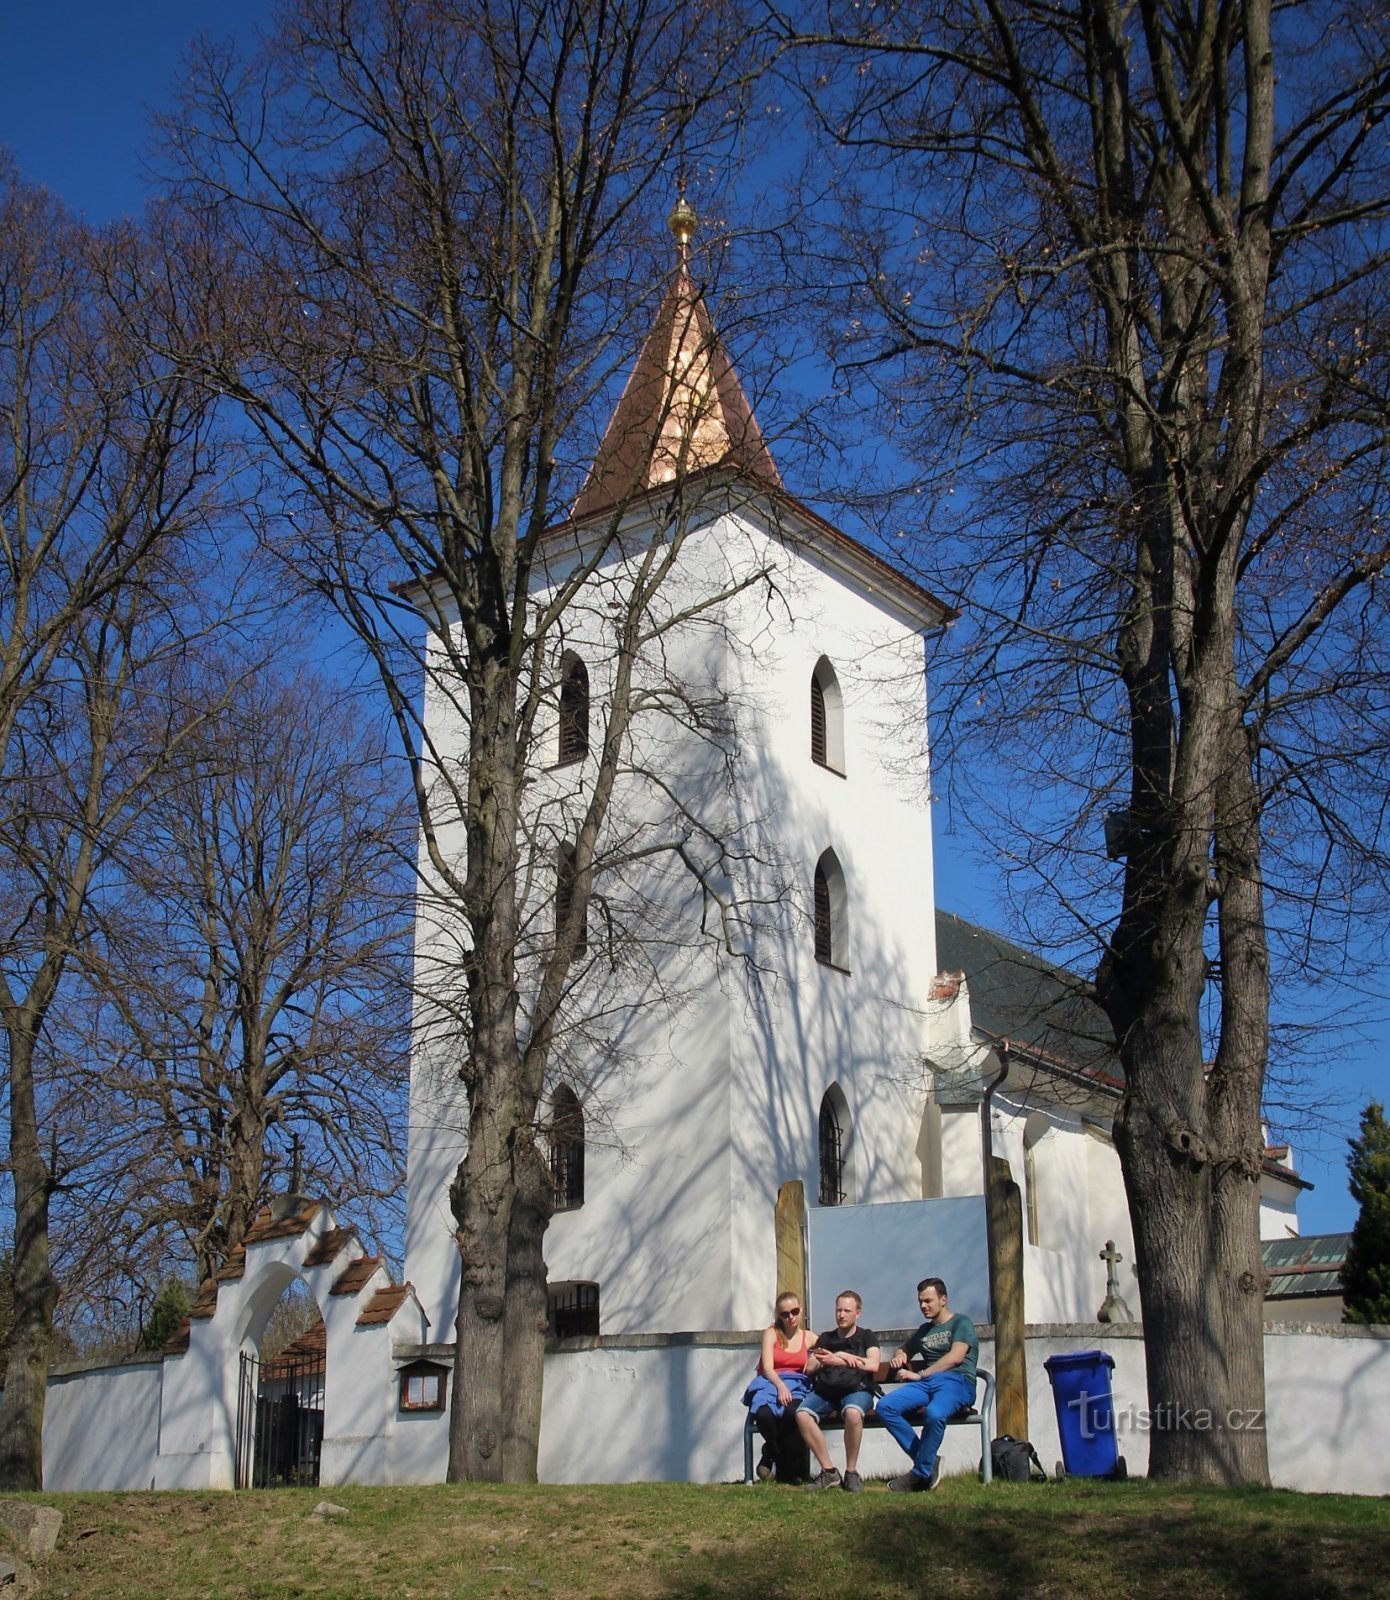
<point x="1122" y="274"/>
<point x="429" y="224"/>
<point x="108" y="470"/>
<point x="253" y="969"/>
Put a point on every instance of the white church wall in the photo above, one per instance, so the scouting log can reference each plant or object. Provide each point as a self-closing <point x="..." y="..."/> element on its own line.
<point x="856" y="1024"/>
<point x="1278" y="1209"/>
<point x="715" y="1101"/>
<point x="1078" y="1205"/>
<point x="961" y="1150"/>
<point x="101" y="1427"/>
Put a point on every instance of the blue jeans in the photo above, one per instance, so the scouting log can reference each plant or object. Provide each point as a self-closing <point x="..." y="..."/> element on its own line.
<point x="943" y="1394"/>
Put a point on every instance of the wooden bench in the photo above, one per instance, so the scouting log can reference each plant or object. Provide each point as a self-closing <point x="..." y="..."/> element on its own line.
<point x="977" y="1416"/>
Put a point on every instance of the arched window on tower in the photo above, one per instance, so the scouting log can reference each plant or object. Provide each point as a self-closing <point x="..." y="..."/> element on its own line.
<point x="831" y="912"/>
<point x="827" y="718"/>
<point x="567" y="1149"/>
<point x="574" y="709"/>
<point x="834" y="1142"/>
<point x="564" y="897"/>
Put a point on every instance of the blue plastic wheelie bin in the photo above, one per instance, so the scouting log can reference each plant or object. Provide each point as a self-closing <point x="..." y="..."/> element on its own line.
<point x="1085" y="1413"/>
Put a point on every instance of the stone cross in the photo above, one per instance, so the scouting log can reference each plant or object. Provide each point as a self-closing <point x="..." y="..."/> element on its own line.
<point x="1114" y="1309"/>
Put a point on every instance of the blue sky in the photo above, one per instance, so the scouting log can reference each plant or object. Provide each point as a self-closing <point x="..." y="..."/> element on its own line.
<point x="78" y="80"/>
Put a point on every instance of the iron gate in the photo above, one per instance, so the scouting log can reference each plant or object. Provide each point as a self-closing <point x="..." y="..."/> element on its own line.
<point x="279" y="1421"/>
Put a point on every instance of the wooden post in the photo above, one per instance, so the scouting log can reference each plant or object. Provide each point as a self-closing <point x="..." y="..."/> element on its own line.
<point x="1005" y="1219"/>
<point x="791" y="1243"/>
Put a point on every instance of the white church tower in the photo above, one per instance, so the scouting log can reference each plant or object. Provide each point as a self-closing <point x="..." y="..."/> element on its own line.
<point x="751" y="1007"/>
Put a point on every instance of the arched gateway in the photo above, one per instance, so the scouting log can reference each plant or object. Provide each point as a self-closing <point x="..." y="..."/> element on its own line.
<point x="217" y="1396"/>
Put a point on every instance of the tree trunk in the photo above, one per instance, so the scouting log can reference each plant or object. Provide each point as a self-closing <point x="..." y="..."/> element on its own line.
<point x="1188" y="1133"/>
<point x="35" y="1289"/>
<point x="524" y="1326"/>
<point x="482" y="1200"/>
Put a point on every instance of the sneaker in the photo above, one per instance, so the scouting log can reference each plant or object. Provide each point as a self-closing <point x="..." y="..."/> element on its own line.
<point x="828" y="1479"/>
<point x="934" y="1482"/>
<point x="766" y="1463"/>
<point x="909" y="1483"/>
<point x="852" y="1483"/>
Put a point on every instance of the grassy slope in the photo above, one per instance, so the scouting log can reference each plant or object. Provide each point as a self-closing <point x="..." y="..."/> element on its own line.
<point x="655" y="1541"/>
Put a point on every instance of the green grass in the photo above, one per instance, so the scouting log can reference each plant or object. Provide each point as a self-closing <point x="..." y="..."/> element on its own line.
<point x="620" y="1542"/>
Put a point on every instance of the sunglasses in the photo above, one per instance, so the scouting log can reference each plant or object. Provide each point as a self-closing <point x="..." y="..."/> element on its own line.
<point x="790" y="1311"/>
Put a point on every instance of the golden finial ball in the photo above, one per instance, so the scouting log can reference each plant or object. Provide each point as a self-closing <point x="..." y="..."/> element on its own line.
<point x="683" y="221"/>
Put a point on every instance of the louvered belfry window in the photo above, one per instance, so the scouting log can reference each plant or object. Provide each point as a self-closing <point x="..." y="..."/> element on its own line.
<point x="574" y="709"/>
<point x="817" y="722"/>
<point x="832" y="1155"/>
<point x="824" y="943"/>
<point x="567" y="1150"/>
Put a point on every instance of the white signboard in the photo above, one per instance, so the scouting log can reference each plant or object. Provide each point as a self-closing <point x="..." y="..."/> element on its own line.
<point x="883" y="1251"/>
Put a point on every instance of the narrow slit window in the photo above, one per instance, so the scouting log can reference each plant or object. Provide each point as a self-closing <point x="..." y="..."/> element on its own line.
<point x="830" y="913"/>
<point x="567" y="1150"/>
<point x="833" y="1142"/>
<point x="827" y="718"/>
<point x="574" y="709"/>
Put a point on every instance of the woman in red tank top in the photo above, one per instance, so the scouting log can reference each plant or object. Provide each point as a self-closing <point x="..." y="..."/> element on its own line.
<point x="773" y="1394"/>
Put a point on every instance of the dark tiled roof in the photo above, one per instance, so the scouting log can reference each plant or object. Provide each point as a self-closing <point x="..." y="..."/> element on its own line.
<point x="1040" y="1009"/>
<point x="206" y="1303"/>
<point x="383" y="1305"/>
<point x="356" y="1277"/>
<point x="329" y="1247"/>
<point x="267" y="1227"/>
<point x="311" y="1345"/>
<point x="1305" y="1266"/>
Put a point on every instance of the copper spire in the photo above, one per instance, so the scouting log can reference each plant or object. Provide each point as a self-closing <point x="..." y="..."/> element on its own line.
<point x="683" y="409"/>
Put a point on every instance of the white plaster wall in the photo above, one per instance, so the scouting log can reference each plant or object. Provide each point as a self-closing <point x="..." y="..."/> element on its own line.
<point x="659" y="1408"/>
<point x="1278" y="1209"/>
<point x="101" y="1428"/>
<point x="674" y="1414"/>
<point x="1081" y="1205"/>
<point x="1328" y="1394"/>
<point x="806" y="1025"/>
<point x="961" y="1150"/>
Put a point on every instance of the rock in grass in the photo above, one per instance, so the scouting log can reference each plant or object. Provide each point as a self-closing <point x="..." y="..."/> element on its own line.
<point x="37" y="1526"/>
<point x="15" y="1575"/>
<point x="326" y="1508"/>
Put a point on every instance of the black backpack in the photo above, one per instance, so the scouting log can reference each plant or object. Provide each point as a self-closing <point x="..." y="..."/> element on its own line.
<point x="1015" y="1460"/>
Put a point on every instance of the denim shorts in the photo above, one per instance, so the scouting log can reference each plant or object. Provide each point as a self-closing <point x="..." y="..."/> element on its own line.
<point x="819" y="1406"/>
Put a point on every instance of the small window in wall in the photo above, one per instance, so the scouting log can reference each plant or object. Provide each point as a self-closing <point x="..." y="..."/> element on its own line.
<point x="830" y="912"/>
<point x="827" y="718"/>
<point x="424" y="1386"/>
<point x="573" y="1310"/>
<point x="834" y="1148"/>
<point x="567" y="1149"/>
<point x="574" y="709"/>
<point x="564" y="896"/>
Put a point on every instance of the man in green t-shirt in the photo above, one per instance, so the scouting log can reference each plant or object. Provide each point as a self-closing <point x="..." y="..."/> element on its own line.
<point x="935" y="1369"/>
